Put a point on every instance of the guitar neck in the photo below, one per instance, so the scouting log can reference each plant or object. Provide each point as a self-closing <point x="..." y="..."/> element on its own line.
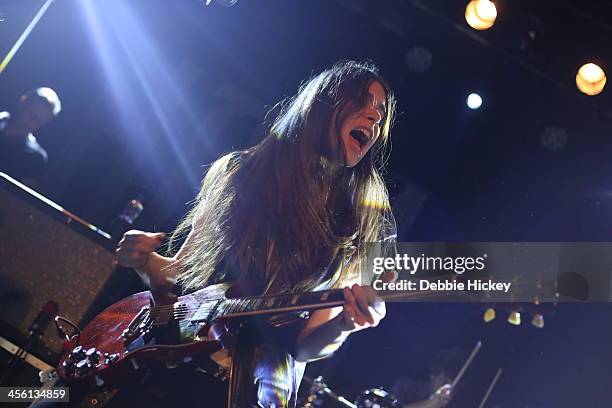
<point x="308" y="301"/>
<point x="286" y="303"/>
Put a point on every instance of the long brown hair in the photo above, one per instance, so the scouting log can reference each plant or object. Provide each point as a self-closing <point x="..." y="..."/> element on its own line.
<point x="283" y="210"/>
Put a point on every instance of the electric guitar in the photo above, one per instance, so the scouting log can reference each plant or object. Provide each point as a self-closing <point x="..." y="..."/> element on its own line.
<point x="151" y="330"/>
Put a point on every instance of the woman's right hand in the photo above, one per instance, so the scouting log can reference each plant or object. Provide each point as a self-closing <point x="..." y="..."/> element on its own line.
<point x="135" y="248"/>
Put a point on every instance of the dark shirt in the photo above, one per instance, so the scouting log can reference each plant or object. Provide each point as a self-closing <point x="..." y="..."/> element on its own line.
<point x="21" y="158"/>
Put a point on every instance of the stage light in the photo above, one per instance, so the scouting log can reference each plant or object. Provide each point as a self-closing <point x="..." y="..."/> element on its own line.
<point x="489" y="315"/>
<point x="590" y="79"/>
<point x="474" y="101"/>
<point x="480" y="14"/>
<point x="9" y="56"/>
<point x="538" y="320"/>
<point x="514" y="318"/>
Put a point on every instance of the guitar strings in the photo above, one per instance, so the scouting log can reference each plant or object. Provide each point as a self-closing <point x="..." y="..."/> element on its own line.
<point x="239" y="303"/>
<point x="247" y="299"/>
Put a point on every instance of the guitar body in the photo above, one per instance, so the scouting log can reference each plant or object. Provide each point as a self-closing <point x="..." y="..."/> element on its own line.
<point x="144" y="332"/>
<point x="152" y="331"/>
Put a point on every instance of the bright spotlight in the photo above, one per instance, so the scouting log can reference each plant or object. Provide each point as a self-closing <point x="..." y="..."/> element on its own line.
<point x="590" y="79"/>
<point x="474" y="101"/>
<point x="480" y="14"/>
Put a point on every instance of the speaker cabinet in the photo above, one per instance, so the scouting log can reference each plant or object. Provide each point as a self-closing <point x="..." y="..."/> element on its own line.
<point x="47" y="253"/>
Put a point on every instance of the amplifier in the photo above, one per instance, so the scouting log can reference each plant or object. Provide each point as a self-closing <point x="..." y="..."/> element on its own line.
<point x="47" y="253"/>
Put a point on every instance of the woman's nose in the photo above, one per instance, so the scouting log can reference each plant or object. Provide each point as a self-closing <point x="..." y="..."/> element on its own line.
<point x="374" y="116"/>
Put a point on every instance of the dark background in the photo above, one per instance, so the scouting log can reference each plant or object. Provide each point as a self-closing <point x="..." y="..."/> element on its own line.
<point x="154" y="90"/>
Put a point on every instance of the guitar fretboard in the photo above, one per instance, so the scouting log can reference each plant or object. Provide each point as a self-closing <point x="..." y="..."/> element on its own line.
<point x="248" y="306"/>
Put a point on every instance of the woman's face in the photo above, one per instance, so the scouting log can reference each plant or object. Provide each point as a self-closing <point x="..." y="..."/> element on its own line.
<point x="360" y="129"/>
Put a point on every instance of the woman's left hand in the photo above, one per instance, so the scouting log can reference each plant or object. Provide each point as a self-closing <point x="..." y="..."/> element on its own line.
<point x="363" y="308"/>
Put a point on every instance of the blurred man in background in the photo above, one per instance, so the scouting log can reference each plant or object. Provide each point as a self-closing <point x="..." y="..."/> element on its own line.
<point x="21" y="156"/>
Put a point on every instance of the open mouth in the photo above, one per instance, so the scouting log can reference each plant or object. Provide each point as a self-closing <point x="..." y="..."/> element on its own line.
<point x="360" y="136"/>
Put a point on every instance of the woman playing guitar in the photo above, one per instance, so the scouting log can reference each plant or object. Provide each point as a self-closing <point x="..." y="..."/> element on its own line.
<point x="291" y="214"/>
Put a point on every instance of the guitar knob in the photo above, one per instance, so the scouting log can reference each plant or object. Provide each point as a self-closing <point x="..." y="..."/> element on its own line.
<point x="92" y="355"/>
<point x="77" y="353"/>
<point x="83" y="367"/>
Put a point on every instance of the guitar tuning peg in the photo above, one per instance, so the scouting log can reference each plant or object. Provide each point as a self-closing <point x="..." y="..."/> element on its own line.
<point x="489" y="315"/>
<point x="538" y="320"/>
<point x="514" y="318"/>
